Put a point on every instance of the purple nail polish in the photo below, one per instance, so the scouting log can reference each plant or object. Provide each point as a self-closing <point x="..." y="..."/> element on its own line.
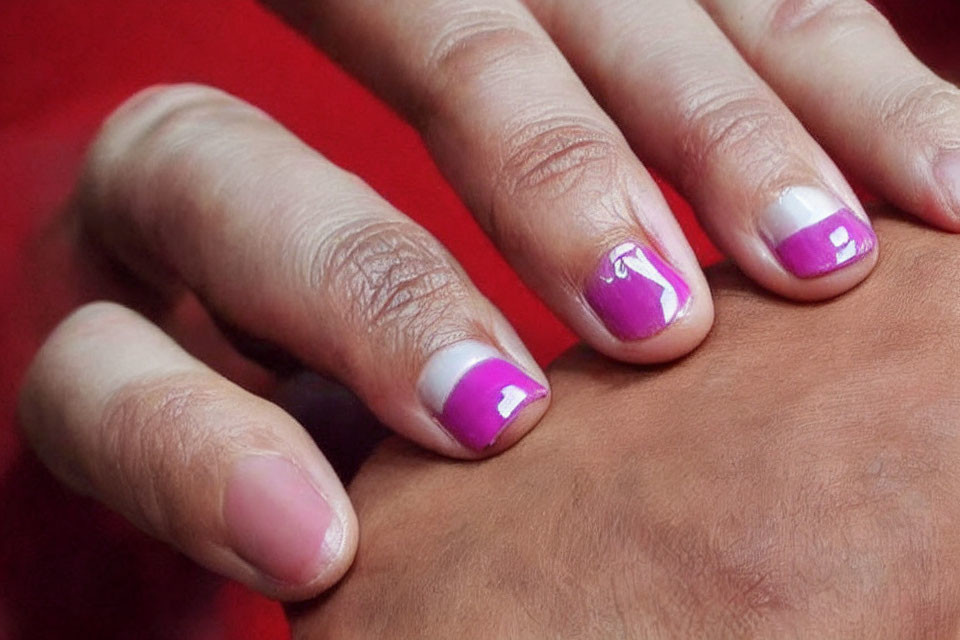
<point x="840" y="240"/>
<point x="635" y="293"/>
<point x="813" y="233"/>
<point x="474" y="393"/>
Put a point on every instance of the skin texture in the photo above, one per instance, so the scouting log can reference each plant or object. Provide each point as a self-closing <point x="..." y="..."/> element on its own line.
<point x="794" y="478"/>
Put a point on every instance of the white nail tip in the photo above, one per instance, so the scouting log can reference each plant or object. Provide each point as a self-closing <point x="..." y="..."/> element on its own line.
<point x="797" y="208"/>
<point x="447" y="366"/>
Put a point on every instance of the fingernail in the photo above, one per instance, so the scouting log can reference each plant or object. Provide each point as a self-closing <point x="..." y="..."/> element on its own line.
<point x="635" y="293"/>
<point x="475" y="393"/>
<point x="278" y="521"/>
<point x="948" y="174"/>
<point x="812" y="233"/>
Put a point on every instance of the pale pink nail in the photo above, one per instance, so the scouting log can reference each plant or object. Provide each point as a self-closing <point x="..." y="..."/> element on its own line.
<point x="635" y="293"/>
<point x="278" y="521"/>
<point x="812" y="233"/>
<point x="475" y="393"/>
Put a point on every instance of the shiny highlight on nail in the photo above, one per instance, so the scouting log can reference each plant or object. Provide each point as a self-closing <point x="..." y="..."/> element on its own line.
<point x="635" y="293"/>
<point x="475" y="393"/>
<point x="813" y="234"/>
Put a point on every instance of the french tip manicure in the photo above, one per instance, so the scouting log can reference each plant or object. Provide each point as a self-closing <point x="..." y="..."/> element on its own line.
<point x="279" y="522"/>
<point x="475" y="393"/>
<point x="813" y="234"/>
<point x="635" y="293"/>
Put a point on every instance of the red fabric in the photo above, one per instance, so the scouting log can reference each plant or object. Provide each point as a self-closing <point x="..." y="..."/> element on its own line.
<point x="67" y="568"/>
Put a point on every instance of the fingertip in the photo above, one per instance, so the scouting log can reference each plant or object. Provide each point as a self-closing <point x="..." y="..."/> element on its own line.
<point x="678" y="340"/>
<point x="769" y="273"/>
<point x="808" y="245"/>
<point x="480" y="398"/>
<point x="297" y="533"/>
<point x="646" y="310"/>
<point x="525" y="421"/>
<point x="830" y="285"/>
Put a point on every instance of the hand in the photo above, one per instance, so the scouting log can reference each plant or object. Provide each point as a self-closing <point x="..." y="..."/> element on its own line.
<point x="198" y="194"/>
<point x="794" y="478"/>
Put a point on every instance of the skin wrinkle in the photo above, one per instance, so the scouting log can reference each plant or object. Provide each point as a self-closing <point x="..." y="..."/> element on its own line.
<point x="399" y="288"/>
<point x="925" y="109"/>
<point x="552" y="155"/>
<point x="474" y="41"/>
<point x="473" y="51"/>
<point x="843" y="16"/>
<point x="736" y="125"/>
<point x="156" y="425"/>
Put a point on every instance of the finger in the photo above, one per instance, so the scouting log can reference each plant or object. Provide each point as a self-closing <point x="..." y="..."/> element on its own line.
<point x="189" y="185"/>
<point x="766" y="192"/>
<point x="876" y="108"/>
<point x="119" y="412"/>
<point x="545" y="171"/>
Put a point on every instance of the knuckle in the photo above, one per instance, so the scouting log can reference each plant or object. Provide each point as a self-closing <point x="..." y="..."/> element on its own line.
<point x="547" y="158"/>
<point x="724" y="125"/>
<point x="145" y="108"/>
<point x="474" y="39"/>
<point x="163" y="117"/>
<point x="38" y="414"/>
<point x="927" y="109"/>
<point x="393" y="279"/>
<point x="835" y="18"/>
<point x="183" y="114"/>
<point x="91" y="320"/>
<point x="174" y="136"/>
<point x="162" y="98"/>
<point x="152" y="130"/>
<point x="554" y="155"/>
<point x="153" y="442"/>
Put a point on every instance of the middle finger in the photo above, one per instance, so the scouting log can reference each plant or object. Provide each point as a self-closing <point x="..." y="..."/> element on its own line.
<point x="544" y="169"/>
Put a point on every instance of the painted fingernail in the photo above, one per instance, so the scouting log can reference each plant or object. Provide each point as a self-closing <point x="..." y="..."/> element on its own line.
<point x="635" y="293"/>
<point x="948" y="174"/>
<point x="278" y="521"/>
<point x="813" y="233"/>
<point x="475" y="393"/>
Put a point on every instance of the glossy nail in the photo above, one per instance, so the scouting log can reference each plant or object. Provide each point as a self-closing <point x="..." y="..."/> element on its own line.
<point x="812" y="233"/>
<point x="475" y="393"/>
<point x="278" y="521"/>
<point x="635" y="293"/>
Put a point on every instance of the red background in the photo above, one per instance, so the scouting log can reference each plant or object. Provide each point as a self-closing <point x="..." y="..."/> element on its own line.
<point x="67" y="568"/>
